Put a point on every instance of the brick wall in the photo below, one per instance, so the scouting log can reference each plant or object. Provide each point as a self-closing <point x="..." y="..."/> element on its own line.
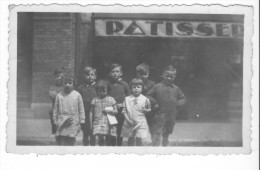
<point x="53" y="46"/>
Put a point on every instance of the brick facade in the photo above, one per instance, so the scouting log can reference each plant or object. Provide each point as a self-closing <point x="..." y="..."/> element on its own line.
<point x="53" y="46"/>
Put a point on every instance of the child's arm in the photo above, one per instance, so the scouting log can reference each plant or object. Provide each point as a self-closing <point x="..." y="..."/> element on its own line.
<point x="151" y="95"/>
<point x="127" y="119"/>
<point x="180" y="97"/>
<point x="81" y="110"/>
<point x="52" y="93"/>
<point x="114" y="111"/>
<point x="147" y="108"/>
<point x="114" y="105"/>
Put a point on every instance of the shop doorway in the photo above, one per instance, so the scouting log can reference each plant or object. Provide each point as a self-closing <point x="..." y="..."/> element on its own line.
<point x="205" y="71"/>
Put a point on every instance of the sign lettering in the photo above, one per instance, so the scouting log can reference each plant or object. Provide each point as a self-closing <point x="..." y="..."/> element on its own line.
<point x="151" y="28"/>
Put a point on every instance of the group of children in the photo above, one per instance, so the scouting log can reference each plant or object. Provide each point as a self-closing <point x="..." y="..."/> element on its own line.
<point x="109" y="110"/>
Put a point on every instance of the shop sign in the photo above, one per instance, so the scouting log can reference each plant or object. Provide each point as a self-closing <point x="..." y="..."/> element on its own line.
<point x="155" y="28"/>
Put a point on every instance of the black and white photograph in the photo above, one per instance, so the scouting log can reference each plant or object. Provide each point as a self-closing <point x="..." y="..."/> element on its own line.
<point x="108" y="81"/>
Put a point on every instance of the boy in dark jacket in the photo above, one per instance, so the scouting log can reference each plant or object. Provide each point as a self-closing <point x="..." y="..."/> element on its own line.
<point x="119" y="90"/>
<point x="88" y="93"/>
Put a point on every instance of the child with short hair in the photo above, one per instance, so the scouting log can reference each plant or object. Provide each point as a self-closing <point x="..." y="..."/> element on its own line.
<point x="102" y="105"/>
<point x="142" y="72"/>
<point x="88" y="92"/>
<point x="53" y="91"/>
<point x="168" y="97"/>
<point x="119" y="90"/>
<point x="68" y="113"/>
<point x="136" y="106"/>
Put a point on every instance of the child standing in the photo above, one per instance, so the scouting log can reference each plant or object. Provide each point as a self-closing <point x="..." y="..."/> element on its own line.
<point x="135" y="126"/>
<point x="88" y="92"/>
<point x="68" y="113"/>
<point x="142" y="72"/>
<point x="53" y="91"/>
<point x="101" y="127"/>
<point x="119" y="90"/>
<point x="168" y="97"/>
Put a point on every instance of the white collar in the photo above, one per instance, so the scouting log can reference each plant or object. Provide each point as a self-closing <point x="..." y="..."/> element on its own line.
<point x="91" y="84"/>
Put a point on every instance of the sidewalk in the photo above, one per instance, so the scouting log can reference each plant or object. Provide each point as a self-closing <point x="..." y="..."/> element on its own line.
<point x="37" y="132"/>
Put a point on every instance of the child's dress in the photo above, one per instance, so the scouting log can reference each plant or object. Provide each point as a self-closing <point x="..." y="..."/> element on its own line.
<point x="100" y="123"/>
<point x="68" y="113"/>
<point x="133" y="107"/>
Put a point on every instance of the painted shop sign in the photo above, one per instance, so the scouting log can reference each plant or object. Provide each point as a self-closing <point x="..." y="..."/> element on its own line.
<point x="155" y="28"/>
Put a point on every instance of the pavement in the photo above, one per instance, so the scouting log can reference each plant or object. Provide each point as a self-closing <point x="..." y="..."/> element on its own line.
<point x="37" y="132"/>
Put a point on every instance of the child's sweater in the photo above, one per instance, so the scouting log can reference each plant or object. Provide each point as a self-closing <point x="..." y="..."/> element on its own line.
<point x="168" y="97"/>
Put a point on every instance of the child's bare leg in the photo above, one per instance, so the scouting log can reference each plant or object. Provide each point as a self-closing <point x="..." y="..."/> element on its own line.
<point x="165" y="140"/>
<point x="85" y="138"/>
<point x="139" y="142"/>
<point x="68" y="141"/>
<point x="92" y="140"/>
<point x="156" y="139"/>
<point x="110" y="140"/>
<point x="58" y="140"/>
<point x="96" y="140"/>
<point x="113" y="140"/>
<point x="131" y="141"/>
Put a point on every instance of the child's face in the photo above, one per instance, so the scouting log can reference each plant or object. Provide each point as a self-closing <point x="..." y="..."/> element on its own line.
<point x="90" y="77"/>
<point x="137" y="90"/>
<point x="68" y="85"/>
<point x="143" y="76"/>
<point x="102" y="92"/>
<point x="58" y="79"/>
<point x="116" y="73"/>
<point x="169" y="76"/>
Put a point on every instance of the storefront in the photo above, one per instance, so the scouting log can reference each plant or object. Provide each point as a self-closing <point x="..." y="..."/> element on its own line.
<point x="207" y="51"/>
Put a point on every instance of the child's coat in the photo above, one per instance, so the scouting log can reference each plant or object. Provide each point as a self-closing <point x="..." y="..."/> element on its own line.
<point x="68" y="113"/>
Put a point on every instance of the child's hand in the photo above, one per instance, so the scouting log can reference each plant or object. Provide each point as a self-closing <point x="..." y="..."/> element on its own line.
<point x="130" y="122"/>
<point x="119" y="106"/>
<point x="156" y="107"/>
<point x="181" y="102"/>
<point x="52" y="94"/>
<point x="145" y="110"/>
<point x="109" y="110"/>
